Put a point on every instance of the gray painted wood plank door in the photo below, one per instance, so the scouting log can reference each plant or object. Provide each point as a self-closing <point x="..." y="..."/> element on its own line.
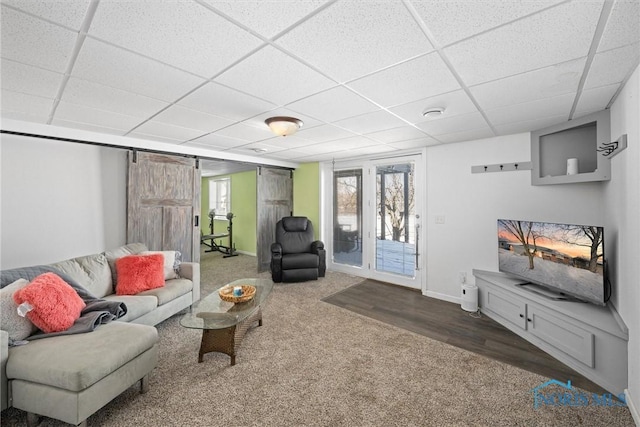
<point x="275" y="200"/>
<point x="163" y="203"/>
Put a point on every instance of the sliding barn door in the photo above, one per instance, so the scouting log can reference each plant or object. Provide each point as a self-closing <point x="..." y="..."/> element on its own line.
<point x="163" y="203"/>
<point x="275" y="200"/>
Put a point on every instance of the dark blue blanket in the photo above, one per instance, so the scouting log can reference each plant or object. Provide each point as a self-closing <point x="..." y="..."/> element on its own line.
<point x="97" y="311"/>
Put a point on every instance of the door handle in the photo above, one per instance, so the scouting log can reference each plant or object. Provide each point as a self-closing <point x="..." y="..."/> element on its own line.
<point x="417" y="246"/>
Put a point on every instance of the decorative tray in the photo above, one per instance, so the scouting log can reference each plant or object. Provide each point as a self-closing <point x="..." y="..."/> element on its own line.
<point x="226" y="293"/>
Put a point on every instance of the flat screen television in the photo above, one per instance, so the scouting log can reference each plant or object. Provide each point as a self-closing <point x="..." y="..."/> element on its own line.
<point x="566" y="260"/>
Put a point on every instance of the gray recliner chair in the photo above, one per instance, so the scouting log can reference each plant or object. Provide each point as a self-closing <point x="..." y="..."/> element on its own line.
<point x="296" y="256"/>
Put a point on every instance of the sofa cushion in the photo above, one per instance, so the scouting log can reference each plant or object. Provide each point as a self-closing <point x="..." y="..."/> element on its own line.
<point x="136" y="305"/>
<point x="137" y="273"/>
<point x="171" y="262"/>
<point x="113" y="255"/>
<point x="171" y="290"/>
<point x="18" y="327"/>
<point x="75" y="362"/>
<point x="92" y="272"/>
<point x="55" y="305"/>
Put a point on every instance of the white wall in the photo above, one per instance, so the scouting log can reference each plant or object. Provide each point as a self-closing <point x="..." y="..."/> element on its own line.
<point x="622" y="200"/>
<point x="472" y="203"/>
<point x="59" y="200"/>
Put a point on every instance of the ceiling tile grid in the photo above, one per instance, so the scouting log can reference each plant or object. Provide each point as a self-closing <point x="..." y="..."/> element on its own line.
<point x="207" y="73"/>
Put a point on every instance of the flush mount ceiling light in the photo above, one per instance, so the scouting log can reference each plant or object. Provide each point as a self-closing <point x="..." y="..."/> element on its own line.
<point x="284" y="126"/>
<point x="433" y="112"/>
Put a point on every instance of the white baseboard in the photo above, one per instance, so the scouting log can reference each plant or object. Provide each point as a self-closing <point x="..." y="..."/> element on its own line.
<point x="633" y="408"/>
<point x="444" y="297"/>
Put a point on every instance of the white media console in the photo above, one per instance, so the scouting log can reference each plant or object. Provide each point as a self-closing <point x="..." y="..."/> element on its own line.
<point x="588" y="338"/>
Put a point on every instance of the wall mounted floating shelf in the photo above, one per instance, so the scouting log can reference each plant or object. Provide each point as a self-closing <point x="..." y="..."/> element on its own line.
<point x="502" y="167"/>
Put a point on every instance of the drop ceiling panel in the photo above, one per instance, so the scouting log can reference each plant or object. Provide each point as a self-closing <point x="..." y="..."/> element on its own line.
<point x="333" y="105"/>
<point x="348" y="144"/>
<point x="193" y="37"/>
<point x="450" y="21"/>
<point x="556" y="35"/>
<point x="530" y="125"/>
<point x="416" y="79"/>
<point x="455" y="103"/>
<point x="43" y="45"/>
<point x="91" y="116"/>
<point x="361" y="40"/>
<point x="548" y="107"/>
<point x="87" y="127"/>
<point x="623" y="26"/>
<point x="222" y="101"/>
<point x="284" y="142"/>
<point x="280" y="79"/>
<point x="612" y="66"/>
<point x="188" y="118"/>
<point x="467" y="135"/>
<point x="596" y="99"/>
<point x="370" y="122"/>
<point x="23" y="78"/>
<point x="112" y="66"/>
<point x="464" y="122"/>
<point x="414" y="143"/>
<point x="267" y="18"/>
<point x="324" y="133"/>
<point x="68" y="13"/>
<point x="217" y="141"/>
<point x="102" y="97"/>
<point x="245" y="132"/>
<point x="20" y="106"/>
<point x="398" y="134"/>
<point x="365" y="151"/>
<point x="545" y="82"/>
<point x="177" y="133"/>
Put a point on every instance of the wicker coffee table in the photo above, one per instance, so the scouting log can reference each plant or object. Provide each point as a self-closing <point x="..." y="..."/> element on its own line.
<point x="223" y="323"/>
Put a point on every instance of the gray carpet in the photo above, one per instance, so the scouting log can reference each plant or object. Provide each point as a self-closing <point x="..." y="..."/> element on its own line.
<point x="315" y="364"/>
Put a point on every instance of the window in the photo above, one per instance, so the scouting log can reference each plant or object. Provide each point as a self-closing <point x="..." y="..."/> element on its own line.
<point x="220" y="195"/>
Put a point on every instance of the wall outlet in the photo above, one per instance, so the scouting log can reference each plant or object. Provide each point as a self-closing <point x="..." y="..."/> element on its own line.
<point x="439" y="219"/>
<point x="463" y="277"/>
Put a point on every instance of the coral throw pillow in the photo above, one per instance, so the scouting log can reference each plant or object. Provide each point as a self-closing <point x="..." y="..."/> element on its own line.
<point x="55" y="304"/>
<point x="137" y="273"/>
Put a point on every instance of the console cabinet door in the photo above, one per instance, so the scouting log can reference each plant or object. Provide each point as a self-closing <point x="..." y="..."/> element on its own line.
<point x="565" y="336"/>
<point x="510" y="308"/>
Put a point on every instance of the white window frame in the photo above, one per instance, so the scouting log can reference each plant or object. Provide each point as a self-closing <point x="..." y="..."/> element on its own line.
<point x="220" y="196"/>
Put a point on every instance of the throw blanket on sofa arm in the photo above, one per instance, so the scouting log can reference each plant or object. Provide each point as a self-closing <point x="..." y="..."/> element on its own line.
<point x="96" y="312"/>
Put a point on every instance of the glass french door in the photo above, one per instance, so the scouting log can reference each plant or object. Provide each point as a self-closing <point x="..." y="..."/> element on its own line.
<point x="376" y="220"/>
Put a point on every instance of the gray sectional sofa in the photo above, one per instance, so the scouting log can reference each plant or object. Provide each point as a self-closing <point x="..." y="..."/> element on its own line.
<point x="69" y="377"/>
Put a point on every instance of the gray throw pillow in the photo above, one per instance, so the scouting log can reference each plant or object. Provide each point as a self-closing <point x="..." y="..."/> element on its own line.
<point x="17" y="326"/>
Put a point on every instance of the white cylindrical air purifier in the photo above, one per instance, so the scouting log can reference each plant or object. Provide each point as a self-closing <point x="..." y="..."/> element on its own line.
<point x="469" y="298"/>
<point x="572" y="166"/>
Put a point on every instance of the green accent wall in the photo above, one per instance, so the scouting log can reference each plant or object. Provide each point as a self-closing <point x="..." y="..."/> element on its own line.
<point x="306" y="202"/>
<point x="306" y="194"/>
<point x="243" y="207"/>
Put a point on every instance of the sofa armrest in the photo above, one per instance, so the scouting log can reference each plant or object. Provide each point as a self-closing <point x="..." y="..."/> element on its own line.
<point x="317" y="246"/>
<point x="4" y="352"/>
<point x="276" y="249"/>
<point x="191" y="271"/>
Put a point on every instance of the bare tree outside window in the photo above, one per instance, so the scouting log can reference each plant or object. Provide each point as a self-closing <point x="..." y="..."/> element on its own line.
<point x="395" y="198"/>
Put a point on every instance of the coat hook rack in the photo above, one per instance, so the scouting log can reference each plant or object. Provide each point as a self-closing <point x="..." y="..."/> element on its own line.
<point x="502" y="167"/>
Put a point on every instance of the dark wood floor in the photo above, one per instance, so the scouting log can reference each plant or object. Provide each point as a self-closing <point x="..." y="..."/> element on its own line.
<point x="447" y="322"/>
